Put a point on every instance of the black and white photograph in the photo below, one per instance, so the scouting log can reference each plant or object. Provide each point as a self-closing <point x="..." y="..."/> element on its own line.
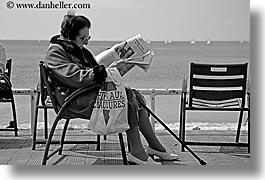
<point x="126" y="83"/>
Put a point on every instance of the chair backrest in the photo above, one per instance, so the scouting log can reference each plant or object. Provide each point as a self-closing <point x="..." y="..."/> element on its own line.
<point x="8" y="68"/>
<point x="218" y="82"/>
<point x="45" y="87"/>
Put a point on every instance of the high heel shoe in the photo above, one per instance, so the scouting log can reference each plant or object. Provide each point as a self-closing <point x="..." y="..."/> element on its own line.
<point x="132" y="160"/>
<point x="165" y="156"/>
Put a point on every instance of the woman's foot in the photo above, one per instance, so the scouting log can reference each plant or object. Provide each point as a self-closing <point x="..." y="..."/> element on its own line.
<point x="134" y="160"/>
<point x="165" y="156"/>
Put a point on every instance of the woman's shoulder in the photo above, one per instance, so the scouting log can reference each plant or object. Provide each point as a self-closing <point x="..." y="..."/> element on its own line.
<point x="56" y="53"/>
<point x="55" y="47"/>
<point x="58" y="44"/>
<point x="55" y="50"/>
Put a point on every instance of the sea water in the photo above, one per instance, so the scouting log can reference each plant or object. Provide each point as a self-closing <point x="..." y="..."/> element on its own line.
<point x="170" y="63"/>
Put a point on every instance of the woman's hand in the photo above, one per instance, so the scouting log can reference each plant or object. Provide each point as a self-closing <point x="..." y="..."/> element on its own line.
<point x="118" y="64"/>
<point x="119" y="47"/>
<point x="100" y="73"/>
<point x="121" y="65"/>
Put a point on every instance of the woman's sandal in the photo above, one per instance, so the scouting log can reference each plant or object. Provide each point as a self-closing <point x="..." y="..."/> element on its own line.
<point x="165" y="156"/>
<point x="132" y="160"/>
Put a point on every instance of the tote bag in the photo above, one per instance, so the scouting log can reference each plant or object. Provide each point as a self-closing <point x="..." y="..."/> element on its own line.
<point x="109" y="114"/>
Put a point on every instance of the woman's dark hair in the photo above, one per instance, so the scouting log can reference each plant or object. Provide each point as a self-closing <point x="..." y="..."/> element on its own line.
<point x="72" y="24"/>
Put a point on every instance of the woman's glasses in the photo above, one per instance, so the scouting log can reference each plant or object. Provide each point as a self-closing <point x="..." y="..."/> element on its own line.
<point x="84" y="38"/>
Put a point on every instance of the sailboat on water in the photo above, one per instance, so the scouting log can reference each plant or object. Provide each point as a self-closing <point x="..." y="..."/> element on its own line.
<point x="167" y="41"/>
<point x="208" y="42"/>
<point x="192" y="41"/>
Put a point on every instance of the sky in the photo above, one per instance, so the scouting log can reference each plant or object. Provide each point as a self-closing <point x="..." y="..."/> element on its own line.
<point x="155" y="20"/>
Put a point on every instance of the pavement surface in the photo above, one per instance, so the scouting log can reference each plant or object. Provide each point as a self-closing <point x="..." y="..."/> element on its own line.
<point x="18" y="150"/>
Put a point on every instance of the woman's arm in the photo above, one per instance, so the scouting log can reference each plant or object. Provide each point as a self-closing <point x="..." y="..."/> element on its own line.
<point x="69" y="73"/>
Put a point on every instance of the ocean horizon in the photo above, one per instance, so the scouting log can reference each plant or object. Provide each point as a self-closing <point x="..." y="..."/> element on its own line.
<point x="170" y="63"/>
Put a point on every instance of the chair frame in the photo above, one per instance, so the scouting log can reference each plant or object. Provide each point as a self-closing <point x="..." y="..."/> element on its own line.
<point x="40" y="105"/>
<point x="6" y="78"/>
<point x="41" y="102"/>
<point x="197" y="70"/>
<point x="59" y="111"/>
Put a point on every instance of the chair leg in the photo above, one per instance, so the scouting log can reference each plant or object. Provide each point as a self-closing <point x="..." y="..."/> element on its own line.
<point x="123" y="152"/>
<point x="63" y="135"/>
<point x="180" y="117"/>
<point x="239" y="126"/>
<point x="182" y="120"/>
<point x="14" y="115"/>
<point x="48" y="143"/>
<point x="183" y="128"/>
<point x="45" y="111"/>
<point x="249" y="131"/>
<point x="34" y="133"/>
<point x="98" y="143"/>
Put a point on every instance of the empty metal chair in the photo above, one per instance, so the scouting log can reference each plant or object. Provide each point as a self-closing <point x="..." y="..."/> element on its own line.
<point x="215" y="87"/>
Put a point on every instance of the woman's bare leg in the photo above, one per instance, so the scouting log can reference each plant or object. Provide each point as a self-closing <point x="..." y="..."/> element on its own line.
<point x="136" y="146"/>
<point x="147" y="131"/>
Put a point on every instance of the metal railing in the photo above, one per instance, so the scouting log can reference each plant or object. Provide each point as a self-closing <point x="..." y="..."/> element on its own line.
<point x="32" y="94"/>
<point x="152" y="93"/>
<point x="158" y="92"/>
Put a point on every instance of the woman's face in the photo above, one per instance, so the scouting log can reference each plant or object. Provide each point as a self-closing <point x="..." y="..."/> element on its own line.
<point x="83" y="37"/>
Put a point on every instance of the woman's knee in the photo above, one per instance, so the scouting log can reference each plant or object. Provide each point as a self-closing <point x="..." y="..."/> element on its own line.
<point x="143" y="114"/>
<point x="132" y="116"/>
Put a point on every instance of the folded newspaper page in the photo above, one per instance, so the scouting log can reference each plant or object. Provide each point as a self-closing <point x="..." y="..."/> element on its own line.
<point x="135" y="51"/>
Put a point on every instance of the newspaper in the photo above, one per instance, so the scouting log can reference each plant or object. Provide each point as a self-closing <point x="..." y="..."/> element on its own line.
<point x="134" y="51"/>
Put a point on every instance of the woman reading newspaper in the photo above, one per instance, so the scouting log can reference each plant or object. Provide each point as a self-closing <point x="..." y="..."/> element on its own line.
<point x="76" y="67"/>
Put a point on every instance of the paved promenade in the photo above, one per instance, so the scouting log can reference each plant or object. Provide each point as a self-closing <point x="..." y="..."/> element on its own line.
<point x="17" y="150"/>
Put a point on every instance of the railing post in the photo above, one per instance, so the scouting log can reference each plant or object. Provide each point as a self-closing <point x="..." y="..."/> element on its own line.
<point x="153" y="102"/>
<point x="32" y="107"/>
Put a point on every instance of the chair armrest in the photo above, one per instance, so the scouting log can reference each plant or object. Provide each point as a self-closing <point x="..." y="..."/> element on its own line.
<point x="185" y="83"/>
<point x="81" y="90"/>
